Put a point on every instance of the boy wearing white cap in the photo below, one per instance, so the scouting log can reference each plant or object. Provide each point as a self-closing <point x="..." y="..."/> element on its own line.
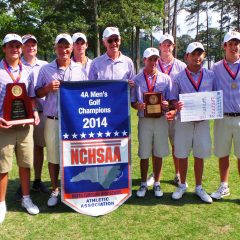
<point x="80" y="46"/>
<point x="16" y="139"/>
<point x="192" y="135"/>
<point x="227" y="130"/>
<point x="152" y="132"/>
<point x="171" y="66"/>
<point x="48" y="83"/>
<point x="33" y="64"/>
<point x="112" y="65"/>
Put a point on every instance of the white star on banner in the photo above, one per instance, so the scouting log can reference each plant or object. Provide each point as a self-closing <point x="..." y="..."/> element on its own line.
<point x="124" y="133"/>
<point x="65" y="136"/>
<point x="99" y="134"/>
<point x="116" y="133"/>
<point x="74" y="135"/>
<point x="108" y="134"/>
<point x="91" y="134"/>
<point x="83" y="135"/>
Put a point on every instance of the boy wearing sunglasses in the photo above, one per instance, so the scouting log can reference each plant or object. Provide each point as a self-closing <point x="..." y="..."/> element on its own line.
<point x="112" y="65"/>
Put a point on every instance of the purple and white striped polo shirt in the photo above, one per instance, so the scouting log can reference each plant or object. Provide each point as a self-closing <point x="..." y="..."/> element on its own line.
<point x="5" y="79"/>
<point x="231" y="95"/>
<point x="162" y="84"/>
<point x="177" y="67"/>
<point x="33" y="71"/>
<point x="182" y="84"/>
<point x="104" y="68"/>
<point x="50" y="72"/>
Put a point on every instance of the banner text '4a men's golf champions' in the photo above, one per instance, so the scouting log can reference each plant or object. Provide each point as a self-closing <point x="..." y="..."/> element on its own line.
<point x="95" y="145"/>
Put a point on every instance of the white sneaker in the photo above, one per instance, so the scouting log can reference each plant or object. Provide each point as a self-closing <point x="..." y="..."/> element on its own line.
<point x="179" y="193"/>
<point x="142" y="191"/>
<point x="221" y="192"/>
<point x="150" y="180"/>
<point x="53" y="200"/>
<point x="3" y="211"/>
<point x="157" y="191"/>
<point x="30" y="207"/>
<point x="203" y="195"/>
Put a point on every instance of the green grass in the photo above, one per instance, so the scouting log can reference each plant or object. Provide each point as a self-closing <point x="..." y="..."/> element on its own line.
<point x="147" y="218"/>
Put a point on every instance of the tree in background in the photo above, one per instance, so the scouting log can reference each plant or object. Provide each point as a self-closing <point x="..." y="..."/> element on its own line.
<point x="135" y="18"/>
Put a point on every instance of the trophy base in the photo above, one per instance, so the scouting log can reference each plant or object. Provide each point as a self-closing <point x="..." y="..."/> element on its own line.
<point x="20" y="121"/>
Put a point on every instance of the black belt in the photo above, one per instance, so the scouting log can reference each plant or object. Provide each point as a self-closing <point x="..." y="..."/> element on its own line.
<point x="232" y="114"/>
<point x="51" y="117"/>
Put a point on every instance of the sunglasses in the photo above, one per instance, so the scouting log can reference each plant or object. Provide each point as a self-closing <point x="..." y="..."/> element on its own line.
<point x="116" y="40"/>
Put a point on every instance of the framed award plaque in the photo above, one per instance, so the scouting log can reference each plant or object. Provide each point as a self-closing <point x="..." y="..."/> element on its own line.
<point x="153" y="101"/>
<point x="17" y="107"/>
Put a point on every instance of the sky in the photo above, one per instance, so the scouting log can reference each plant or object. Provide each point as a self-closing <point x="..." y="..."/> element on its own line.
<point x="184" y="28"/>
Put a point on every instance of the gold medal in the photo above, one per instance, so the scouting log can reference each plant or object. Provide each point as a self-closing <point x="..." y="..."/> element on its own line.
<point x="16" y="91"/>
<point x="234" y="85"/>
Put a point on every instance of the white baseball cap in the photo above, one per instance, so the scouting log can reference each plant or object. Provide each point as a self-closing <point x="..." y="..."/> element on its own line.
<point x="12" y="37"/>
<point x="65" y="36"/>
<point x="166" y="37"/>
<point x="150" y="52"/>
<point x="109" y="31"/>
<point x="25" y="38"/>
<point x="78" y="35"/>
<point x="193" y="46"/>
<point x="231" y="35"/>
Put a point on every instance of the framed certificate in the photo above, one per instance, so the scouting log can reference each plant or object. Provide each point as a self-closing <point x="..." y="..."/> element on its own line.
<point x="153" y="101"/>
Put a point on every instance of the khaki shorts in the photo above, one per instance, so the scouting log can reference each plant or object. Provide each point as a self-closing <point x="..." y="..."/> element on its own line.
<point x="171" y="131"/>
<point x="38" y="133"/>
<point x="16" y="139"/>
<point x="153" y="137"/>
<point x="192" y="136"/>
<point x="226" y="131"/>
<point x="51" y="134"/>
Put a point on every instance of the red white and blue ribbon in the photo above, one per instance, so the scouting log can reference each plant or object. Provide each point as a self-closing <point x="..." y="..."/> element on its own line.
<point x="7" y="68"/>
<point x="150" y="86"/>
<point x="169" y="69"/>
<point x="230" y="72"/>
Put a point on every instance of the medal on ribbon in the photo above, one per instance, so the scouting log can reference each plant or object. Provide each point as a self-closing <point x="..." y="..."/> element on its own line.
<point x="232" y="74"/>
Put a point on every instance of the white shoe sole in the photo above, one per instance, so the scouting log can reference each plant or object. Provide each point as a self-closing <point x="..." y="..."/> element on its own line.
<point x="222" y="196"/>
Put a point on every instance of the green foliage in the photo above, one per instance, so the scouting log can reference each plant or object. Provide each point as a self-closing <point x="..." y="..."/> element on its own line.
<point x="215" y="52"/>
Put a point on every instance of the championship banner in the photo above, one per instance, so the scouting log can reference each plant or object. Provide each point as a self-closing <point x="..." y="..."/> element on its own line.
<point x="95" y="145"/>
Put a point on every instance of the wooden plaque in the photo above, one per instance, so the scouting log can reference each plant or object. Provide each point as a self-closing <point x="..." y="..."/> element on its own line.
<point x="153" y="101"/>
<point x="17" y="107"/>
